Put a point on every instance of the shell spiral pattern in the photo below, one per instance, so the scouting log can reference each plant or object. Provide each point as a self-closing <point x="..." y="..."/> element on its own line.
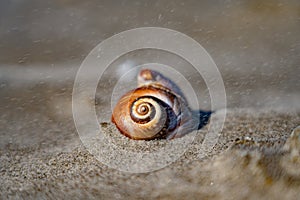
<point x="153" y="110"/>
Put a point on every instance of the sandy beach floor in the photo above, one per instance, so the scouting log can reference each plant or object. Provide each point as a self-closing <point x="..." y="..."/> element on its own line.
<point x="255" y="45"/>
<point x="46" y="159"/>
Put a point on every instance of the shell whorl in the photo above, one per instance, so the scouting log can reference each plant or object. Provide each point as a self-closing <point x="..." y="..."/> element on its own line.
<point x="147" y="112"/>
<point x="143" y="110"/>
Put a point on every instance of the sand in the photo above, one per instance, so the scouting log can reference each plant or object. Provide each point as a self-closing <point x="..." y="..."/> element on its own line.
<point x="46" y="159"/>
<point x="255" y="45"/>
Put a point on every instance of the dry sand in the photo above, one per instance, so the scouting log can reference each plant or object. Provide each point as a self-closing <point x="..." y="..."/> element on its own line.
<point x="46" y="159"/>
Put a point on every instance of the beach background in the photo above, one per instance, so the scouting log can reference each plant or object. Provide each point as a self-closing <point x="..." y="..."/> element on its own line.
<point x="256" y="46"/>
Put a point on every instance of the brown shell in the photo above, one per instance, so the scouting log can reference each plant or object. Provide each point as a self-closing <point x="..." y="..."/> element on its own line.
<point x="155" y="128"/>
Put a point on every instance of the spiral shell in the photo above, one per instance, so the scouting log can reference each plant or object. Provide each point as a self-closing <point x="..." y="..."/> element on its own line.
<point x="151" y="111"/>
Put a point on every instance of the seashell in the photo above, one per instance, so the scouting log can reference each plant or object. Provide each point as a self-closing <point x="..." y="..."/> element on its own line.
<point x="156" y="109"/>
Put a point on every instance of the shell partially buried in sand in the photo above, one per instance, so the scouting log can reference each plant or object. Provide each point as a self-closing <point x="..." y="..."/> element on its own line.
<point x="156" y="109"/>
